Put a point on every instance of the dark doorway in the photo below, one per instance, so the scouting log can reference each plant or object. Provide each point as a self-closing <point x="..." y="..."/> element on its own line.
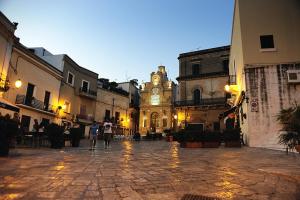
<point x="46" y="100"/>
<point x="29" y="94"/>
<point x="25" y="123"/>
<point x="154" y="121"/>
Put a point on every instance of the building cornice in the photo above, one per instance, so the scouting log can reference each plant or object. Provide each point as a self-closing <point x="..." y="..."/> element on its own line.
<point x="204" y="51"/>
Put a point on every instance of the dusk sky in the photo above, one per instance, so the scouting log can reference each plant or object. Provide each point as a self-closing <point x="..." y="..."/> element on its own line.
<point x="122" y="39"/>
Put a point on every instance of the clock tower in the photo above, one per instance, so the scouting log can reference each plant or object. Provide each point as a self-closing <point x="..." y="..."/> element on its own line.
<point x="156" y="107"/>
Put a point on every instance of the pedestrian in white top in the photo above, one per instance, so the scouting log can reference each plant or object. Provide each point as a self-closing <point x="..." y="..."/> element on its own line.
<point x="107" y="126"/>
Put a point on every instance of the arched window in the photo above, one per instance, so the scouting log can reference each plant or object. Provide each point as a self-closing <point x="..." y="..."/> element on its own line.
<point x="196" y="96"/>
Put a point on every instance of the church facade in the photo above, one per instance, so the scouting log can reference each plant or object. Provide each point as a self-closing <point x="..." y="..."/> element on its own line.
<point x="156" y="103"/>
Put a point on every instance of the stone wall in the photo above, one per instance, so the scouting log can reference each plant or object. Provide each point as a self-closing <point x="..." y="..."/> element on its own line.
<point x="268" y="86"/>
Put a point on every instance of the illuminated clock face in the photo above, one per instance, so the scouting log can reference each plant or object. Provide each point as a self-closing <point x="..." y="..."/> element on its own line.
<point x="155" y="79"/>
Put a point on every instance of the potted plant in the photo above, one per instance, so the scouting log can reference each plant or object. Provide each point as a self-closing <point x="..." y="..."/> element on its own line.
<point x="232" y="137"/>
<point x="290" y="132"/>
<point x="75" y="136"/>
<point x="55" y="135"/>
<point x="211" y="139"/>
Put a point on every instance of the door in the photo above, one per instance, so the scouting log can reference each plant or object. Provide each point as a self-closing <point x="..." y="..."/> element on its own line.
<point x="154" y="121"/>
<point x="29" y="94"/>
<point x="46" y="100"/>
<point x="25" y="123"/>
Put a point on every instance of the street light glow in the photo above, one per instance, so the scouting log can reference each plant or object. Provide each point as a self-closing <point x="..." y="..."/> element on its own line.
<point x="18" y="83"/>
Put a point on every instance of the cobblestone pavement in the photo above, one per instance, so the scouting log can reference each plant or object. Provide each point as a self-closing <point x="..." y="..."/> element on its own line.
<point x="149" y="170"/>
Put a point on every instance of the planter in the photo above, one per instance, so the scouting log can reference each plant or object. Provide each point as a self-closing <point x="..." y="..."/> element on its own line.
<point x="297" y="147"/>
<point x="75" y="135"/>
<point x="56" y="136"/>
<point x="169" y="138"/>
<point x="233" y="144"/>
<point x="191" y="145"/>
<point x="211" y="144"/>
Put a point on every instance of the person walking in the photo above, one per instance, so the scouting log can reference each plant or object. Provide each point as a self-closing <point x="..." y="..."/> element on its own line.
<point x="93" y="135"/>
<point x="107" y="133"/>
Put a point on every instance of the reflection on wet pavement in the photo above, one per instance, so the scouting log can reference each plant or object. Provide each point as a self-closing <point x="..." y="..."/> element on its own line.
<point x="149" y="170"/>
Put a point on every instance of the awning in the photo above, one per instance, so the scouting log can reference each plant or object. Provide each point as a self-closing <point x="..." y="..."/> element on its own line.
<point x="227" y="112"/>
<point x="8" y="106"/>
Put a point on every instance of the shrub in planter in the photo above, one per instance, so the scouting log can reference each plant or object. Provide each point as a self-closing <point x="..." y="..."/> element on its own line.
<point x="189" y="139"/>
<point x="211" y="139"/>
<point x="232" y="137"/>
<point x="75" y="136"/>
<point x="55" y="135"/>
<point x="290" y="134"/>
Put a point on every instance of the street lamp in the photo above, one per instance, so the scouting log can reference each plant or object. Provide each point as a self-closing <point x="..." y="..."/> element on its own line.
<point x="18" y="83"/>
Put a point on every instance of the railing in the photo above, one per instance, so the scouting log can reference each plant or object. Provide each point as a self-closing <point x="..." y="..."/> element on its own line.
<point x="202" y="75"/>
<point x="85" y="117"/>
<point x="87" y="91"/>
<point x="34" y="103"/>
<point x="202" y="102"/>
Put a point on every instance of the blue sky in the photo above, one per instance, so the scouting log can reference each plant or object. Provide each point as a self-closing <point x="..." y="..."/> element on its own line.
<point x="122" y="39"/>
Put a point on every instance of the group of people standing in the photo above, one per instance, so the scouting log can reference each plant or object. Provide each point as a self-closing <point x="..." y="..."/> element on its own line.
<point x="107" y="130"/>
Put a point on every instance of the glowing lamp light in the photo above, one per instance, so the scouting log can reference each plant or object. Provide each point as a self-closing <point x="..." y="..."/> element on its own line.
<point x="64" y="106"/>
<point x="227" y="88"/>
<point x="175" y="116"/>
<point x="18" y="83"/>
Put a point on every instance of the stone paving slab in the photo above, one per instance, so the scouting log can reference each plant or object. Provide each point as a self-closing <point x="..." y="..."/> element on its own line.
<point x="149" y="170"/>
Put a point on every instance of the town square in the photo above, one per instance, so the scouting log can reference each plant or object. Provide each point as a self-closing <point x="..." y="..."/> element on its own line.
<point x="133" y="99"/>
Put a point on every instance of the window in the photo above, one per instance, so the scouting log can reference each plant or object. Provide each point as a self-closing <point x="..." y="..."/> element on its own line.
<point x="68" y="107"/>
<point x="29" y="94"/>
<point x="196" y="69"/>
<point x="70" y="79"/>
<point x="107" y="115"/>
<point x="165" y="122"/>
<point x="226" y="65"/>
<point x="85" y="86"/>
<point x="266" y="42"/>
<point x="46" y="100"/>
<point x="196" y="96"/>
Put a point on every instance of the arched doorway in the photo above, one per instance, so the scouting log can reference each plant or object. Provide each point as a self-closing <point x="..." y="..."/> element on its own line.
<point x="196" y="96"/>
<point x="154" y="121"/>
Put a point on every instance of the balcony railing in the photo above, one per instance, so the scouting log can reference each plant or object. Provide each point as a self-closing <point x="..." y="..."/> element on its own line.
<point x="202" y="102"/>
<point x="34" y="103"/>
<point x="85" y="117"/>
<point x="88" y="92"/>
<point x="202" y="75"/>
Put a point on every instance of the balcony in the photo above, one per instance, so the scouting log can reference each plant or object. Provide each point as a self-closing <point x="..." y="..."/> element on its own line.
<point x="34" y="103"/>
<point x="84" y="118"/>
<point x="202" y="102"/>
<point x="87" y="93"/>
<point x="202" y="75"/>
